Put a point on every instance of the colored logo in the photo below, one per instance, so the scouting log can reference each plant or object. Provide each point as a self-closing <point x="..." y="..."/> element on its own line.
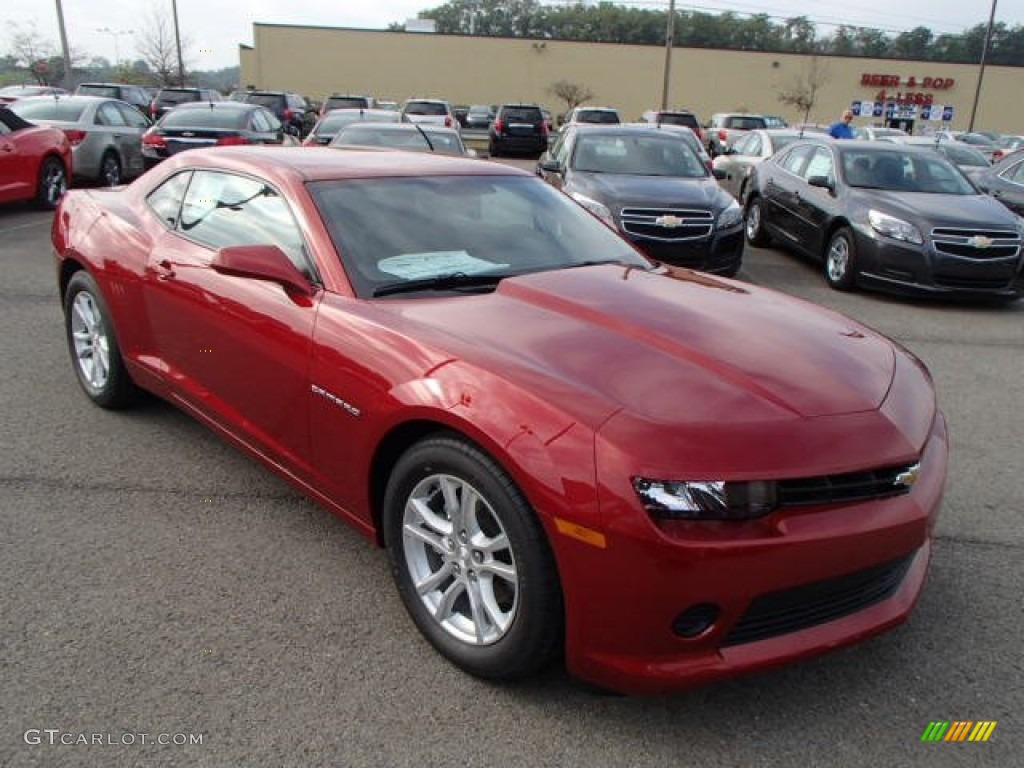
<point x="980" y="241"/>
<point x="908" y="477"/>
<point x="958" y="730"/>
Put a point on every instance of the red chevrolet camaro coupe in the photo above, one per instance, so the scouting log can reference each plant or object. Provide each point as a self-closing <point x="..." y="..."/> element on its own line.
<point x="35" y="161"/>
<point x="671" y="477"/>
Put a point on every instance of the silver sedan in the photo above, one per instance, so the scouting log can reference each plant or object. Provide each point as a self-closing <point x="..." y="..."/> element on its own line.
<point x="105" y="134"/>
<point x="739" y="160"/>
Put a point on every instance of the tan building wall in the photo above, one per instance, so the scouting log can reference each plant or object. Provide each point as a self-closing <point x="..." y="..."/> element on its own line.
<point x="317" y="61"/>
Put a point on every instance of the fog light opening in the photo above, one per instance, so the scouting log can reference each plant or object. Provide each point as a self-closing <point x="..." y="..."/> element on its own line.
<point x="695" y="620"/>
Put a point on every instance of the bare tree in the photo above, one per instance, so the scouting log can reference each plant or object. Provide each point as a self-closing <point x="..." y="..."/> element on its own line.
<point x="573" y="94"/>
<point x="156" y="46"/>
<point x="32" y="51"/>
<point x="803" y="90"/>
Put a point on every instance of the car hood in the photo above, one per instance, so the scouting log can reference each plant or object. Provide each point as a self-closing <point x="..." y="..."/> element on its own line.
<point x="971" y="211"/>
<point x="668" y="345"/>
<point x="616" y="190"/>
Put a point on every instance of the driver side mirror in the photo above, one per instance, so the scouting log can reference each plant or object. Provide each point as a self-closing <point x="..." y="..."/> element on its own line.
<point x="824" y="182"/>
<point x="551" y="166"/>
<point x="262" y="262"/>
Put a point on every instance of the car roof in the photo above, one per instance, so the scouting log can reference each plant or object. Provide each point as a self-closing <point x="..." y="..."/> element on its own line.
<point x="72" y="98"/>
<point x="627" y="129"/>
<point x="306" y="164"/>
<point x="237" y="105"/>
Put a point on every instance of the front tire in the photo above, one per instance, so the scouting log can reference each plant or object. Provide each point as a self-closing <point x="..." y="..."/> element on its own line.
<point x="841" y="260"/>
<point x="93" y="345"/>
<point x="754" y="226"/>
<point x="471" y="561"/>
<point x="52" y="183"/>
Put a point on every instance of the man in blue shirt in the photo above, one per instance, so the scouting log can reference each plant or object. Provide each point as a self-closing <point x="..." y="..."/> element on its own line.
<point x="841" y="128"/>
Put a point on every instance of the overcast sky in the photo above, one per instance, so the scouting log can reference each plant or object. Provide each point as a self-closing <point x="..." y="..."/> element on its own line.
<point x="216" y="27"/>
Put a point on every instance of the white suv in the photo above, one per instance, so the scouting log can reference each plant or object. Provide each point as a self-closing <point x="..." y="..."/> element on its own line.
<point x="592" y="115"/>
<point x="436" y="111"/>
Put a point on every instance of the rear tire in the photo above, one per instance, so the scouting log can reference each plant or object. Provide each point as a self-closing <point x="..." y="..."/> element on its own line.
<point x="110" y="171"/>
<point x="754" y="226"/>
<point x="93" y="346"/>
<point x="52" y="183"/>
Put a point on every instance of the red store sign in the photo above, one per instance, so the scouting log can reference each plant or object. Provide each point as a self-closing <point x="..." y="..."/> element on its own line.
<point x="895" y="81"/>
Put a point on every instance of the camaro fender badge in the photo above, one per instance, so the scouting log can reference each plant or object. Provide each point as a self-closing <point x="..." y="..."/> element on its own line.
<point x="980" y="241"/>
<point x="908" y="477"/>
<point x="669" y="221"/>
<point x="335" y="399"/>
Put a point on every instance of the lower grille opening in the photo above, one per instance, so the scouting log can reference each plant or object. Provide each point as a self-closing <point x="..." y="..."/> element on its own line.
<point x="790" y="610"/>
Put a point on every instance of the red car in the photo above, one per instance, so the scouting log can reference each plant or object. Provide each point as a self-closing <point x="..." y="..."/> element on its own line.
<point x="672" y="477"/>
<point x="35" y="161"/>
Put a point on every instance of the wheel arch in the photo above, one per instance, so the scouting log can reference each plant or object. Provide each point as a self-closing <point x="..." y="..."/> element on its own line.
<point x="834" y="226"/>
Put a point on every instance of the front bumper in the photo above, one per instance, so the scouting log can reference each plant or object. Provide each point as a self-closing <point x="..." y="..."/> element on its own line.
<point x="721" y="253"/>
<point x="637" y="587"/>
<point x="898" y="267"/>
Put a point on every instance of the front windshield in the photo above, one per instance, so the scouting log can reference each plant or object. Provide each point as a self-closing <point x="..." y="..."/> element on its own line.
<point x="662" y="155"/>
<point x="470" y="225"/>
<point x="904" y="172"/>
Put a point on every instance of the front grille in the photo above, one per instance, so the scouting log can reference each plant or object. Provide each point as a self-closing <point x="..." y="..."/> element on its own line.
<point x="790" y="610"/>
<point x="667" y="224"/>
<point x="848" y="487"/>
<point x="979" y="244"/>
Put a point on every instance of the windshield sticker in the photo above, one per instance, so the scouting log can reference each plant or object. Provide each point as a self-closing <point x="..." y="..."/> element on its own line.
<point x="414" y="266"/>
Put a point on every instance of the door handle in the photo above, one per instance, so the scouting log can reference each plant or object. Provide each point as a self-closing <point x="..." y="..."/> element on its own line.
<point x="165" y="270"/>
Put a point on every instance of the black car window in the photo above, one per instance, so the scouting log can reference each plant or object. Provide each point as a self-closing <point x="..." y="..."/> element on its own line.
<point x="260" y="123"/>
<point x="346" y="102"/>
<point x="166" y="199"/>
<point x="132" y="116"/>
<point x="794" y="160"/>
<point x="222" y="209"/>
<point x="637" y="156"/>
<point x="425" y="108"/>
<point x="108" y="114"/>
<point x="49" y="109"/>
<point x="467" y="224"/>
<point x="522" y="115"/>
<point x="744" y="123"/>
<point x="177" y="97"/>
<point x="206" y="117"/>
<point x="599" y="116"/>
<point x="108" y="91"/>
<point x="1014" y="173"/>
<point x="271" y="100"/>
<point x="820" y="164"/>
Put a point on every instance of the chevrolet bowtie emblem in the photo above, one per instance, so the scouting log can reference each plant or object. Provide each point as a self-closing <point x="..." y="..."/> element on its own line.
<point x="908" y="477"/>
<point x="980" y="241"/>
<point x="670" y="222"/>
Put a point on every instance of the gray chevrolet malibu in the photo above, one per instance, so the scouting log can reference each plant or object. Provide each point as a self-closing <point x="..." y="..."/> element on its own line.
<point x="105" y="134"/>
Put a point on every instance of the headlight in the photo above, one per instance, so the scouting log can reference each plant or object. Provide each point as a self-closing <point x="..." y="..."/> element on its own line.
<point x="731" y="216"/>
<point x="706" y="499"/>
<point x="598" y="209"/>
<point x="897" y="229"/>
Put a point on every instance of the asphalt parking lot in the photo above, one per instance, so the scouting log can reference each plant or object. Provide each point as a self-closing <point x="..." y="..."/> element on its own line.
<point x="158" y="582"/>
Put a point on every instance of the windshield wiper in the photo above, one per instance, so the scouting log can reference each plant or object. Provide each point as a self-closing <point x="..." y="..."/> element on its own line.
<point x="440" y="283"/>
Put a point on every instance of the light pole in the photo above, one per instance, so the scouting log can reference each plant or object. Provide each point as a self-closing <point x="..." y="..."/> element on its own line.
<point x="116" y="33"/>
<point x="669" y="42"/>
<point x="981" y="69"/>
<point x="64" y="50"/>
<point x="177" y="42"/>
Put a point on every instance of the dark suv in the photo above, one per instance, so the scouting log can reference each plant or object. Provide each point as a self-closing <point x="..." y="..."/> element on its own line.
<point x="289" y="108"/>
<point x="518" y="128"/>
<point x="168" y="98"/>
<point x="135" y="95"/>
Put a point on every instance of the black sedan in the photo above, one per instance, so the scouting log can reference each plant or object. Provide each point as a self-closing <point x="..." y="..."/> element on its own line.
<point x="650" y="185"/>
<point x="1005" y="181"/>
<point x="211" y="123"/>
<point x="888" y="216"/>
